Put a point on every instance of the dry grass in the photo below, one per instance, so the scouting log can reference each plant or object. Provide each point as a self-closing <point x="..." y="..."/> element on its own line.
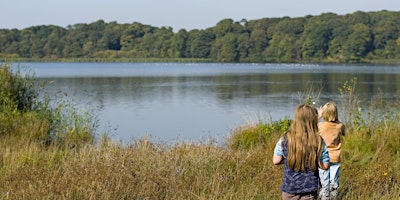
<point x="143" y="170"/>
<point x="203" y="170"/>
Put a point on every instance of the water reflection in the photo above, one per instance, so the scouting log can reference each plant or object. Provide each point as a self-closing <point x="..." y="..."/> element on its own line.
<point x="193" y="101"/>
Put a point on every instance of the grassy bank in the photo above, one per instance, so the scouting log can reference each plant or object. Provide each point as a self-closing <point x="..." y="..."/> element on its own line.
<point x="50" y="152"/>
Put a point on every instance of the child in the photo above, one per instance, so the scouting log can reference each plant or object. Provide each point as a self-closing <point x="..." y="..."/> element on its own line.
<point x="302" y="151"/>
<point x="331" y="131"/>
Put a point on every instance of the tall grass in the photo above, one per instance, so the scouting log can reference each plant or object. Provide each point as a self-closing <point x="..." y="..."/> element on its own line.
<point x="371" y="156"/>
<point x="77" y="168"/>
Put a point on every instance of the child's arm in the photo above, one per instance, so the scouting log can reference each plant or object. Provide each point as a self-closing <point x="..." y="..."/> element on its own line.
<point x="320" y="110"/>
<point x="324" y="162"/>
<point x="277" y="160"/>
<point x="278" y="154"/>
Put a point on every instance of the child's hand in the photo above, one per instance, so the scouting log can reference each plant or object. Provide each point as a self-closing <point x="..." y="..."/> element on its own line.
<point x="320" y="109"/>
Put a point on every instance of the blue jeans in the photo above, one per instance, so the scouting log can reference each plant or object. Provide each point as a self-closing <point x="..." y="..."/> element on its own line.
<point x="329" y="181"/>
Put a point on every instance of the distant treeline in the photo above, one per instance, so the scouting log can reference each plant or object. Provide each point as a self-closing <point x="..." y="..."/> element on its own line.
<point x="360" y="37"/>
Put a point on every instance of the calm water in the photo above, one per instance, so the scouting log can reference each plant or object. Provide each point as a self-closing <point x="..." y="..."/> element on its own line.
<point x="172" y="102"/>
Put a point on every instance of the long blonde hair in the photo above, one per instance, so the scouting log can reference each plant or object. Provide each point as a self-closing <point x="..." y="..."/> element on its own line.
<point x="304" y="142"/>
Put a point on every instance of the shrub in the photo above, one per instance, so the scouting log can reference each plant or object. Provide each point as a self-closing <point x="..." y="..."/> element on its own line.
<point x="17" y="91"/>
<point x="31" y="118"/>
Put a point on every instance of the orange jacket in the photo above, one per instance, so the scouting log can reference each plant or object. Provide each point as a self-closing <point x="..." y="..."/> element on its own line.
<point x="331" y="132"/>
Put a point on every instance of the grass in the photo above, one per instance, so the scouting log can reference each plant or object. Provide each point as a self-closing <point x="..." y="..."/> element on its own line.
<point x="50" y="153"/>
<point x="139" y="171"/>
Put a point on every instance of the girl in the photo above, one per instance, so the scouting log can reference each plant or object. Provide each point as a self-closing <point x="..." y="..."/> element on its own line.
<point x="302" y="151"/>
<point x="331" y="130"/>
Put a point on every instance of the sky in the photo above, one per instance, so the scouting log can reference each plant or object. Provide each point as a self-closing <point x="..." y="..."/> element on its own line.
<point x="178" y="14"/>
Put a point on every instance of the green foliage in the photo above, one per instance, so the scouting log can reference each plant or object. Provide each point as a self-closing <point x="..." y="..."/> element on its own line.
<point x="28" y="118"/>
<point x="248" y="137"/>
<point x="316" y="37"/>
<point x="16" y="91"/>
<point x="72" y="128"/>
<point x="199" y="43"/>
<point x="354" y="38"/>
<point x="20" y="109"/>
<point x="371" y="153"/>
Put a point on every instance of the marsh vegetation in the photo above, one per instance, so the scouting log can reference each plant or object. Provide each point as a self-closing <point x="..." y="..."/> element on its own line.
<point x="49" y="151"/>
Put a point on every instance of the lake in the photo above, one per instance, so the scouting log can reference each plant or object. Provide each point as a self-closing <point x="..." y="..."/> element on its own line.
<point x="173" y="102"/>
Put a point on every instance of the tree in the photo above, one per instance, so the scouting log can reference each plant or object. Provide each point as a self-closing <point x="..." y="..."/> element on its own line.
<point x="223" y="27"/>
<point x="111" y="37"/>
<point x="25" y="44"/>
<point x="357" y="37"/>
<point x="258" y="41"/>
<point x="54" y="45"/>
<point x="358" y="43"/>
<point x="242" y="47"/>
<point x="155" y="42"/>
<point x="178" y="44"/>
<point x="358" y="17"/>
<point x="291" y="27"/>
<point x="199" y="43"/>
<point x="316" y="37"/>
<point x="340" y="32"/>
<point x="131" y="36"/>
<point x="280" y="48"/>
<point x="385" y="32"/>
<point x="9" y="40"/>
<point x="224" y="49"/>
